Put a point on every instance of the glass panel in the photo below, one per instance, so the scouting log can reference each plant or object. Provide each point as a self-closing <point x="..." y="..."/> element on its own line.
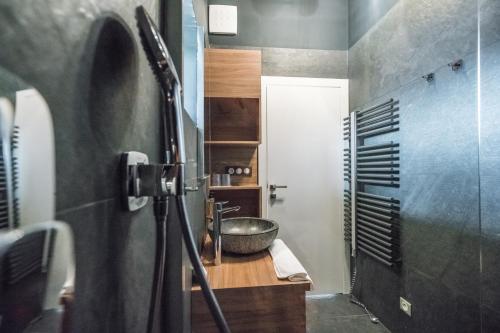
<point x="489" y="161"/>
<point x="438" y="137"/>
<point x="193" y="40"/>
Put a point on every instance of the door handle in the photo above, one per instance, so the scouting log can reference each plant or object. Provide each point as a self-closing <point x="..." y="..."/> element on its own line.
<point x="273" y="187"/>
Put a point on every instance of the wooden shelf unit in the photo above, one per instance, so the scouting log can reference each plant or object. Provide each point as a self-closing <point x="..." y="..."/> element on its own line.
<point x="232" y="119"/>
<point x="246" y="287"/>
<point x="233" y="143"/>
<point x="234" y="188"/>
<point x="232" y="73"/>
<point x="232" y="124"/>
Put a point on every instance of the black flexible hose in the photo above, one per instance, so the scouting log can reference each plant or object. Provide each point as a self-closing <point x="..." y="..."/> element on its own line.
<point x="161" y="215"/>
<point x="198" y="267"/>
<point x="355" y="300"/>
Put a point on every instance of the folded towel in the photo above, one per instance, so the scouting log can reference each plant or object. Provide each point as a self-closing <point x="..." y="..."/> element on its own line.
<point x="286" y="265"/>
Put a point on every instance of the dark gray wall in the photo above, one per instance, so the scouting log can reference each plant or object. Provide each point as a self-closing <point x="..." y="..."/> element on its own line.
<point x="314" y="24"/>
<point x="87" y="61"/>
<point x="445" y="205"/>
<point x="363" y="14"/>
<point x="297" y="38"/>
<point x="300" y="62"/>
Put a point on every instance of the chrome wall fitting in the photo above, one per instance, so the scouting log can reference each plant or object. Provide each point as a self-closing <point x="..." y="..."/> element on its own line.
<point x="129" y="159"/>
<point x="428" y="77"/>
<point x="141" y="180"/>
<point x="456" y="65"/>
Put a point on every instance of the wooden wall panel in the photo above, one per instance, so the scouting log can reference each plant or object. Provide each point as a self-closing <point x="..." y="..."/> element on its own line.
<point x="248" y="200"/>
<point x="256" y="309"/>
<point x="232" y="73"/>
<point x="232" y="119"/>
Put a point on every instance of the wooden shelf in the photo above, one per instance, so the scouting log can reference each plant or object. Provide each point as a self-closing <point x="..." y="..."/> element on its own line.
<point x="234" y="188"/>
<point x="233" y="143"/>
<point x="232" y="125"/>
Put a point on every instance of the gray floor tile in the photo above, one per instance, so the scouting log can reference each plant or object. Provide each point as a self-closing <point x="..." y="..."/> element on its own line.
<point x="335" y="313"/>
<point x="354" y="324"/>
<point x="332" y="306"/>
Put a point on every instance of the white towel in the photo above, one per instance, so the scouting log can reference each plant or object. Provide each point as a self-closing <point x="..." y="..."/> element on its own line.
<point x="286" y="265"/>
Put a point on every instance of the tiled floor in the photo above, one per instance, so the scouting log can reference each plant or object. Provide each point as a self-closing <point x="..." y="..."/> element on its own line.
<point x="337" y="314"/>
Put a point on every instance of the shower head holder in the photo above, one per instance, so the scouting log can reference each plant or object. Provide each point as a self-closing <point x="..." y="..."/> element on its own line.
<point x="141" y="180"/>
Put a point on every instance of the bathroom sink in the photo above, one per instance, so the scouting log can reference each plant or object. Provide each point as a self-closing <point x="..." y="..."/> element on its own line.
<point x="245" y="235"/>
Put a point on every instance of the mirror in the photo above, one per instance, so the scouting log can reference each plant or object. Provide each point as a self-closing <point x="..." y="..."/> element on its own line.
<point x="36" y="252"/>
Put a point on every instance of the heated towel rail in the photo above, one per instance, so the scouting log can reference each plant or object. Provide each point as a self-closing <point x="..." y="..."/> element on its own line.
<point x="371" y="222"/>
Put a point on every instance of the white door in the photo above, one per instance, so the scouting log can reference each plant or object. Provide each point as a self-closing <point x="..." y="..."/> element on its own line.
<point x="303" y="138"/>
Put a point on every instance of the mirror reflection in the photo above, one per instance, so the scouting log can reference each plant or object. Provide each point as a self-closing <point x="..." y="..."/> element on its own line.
<point x="36" y="252"/>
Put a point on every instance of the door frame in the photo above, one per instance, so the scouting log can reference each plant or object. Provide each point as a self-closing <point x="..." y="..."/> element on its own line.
<point x="343" y="85"/>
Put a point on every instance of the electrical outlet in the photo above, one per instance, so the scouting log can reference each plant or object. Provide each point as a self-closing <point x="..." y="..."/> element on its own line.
<point x="405" y="306"/>
<point x="239" y="171"/>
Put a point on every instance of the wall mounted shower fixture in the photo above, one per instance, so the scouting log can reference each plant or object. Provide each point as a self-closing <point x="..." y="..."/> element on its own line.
<point x="142" y="180"/>
<point x="129" y="164"/>
<point x="166" y="180"/>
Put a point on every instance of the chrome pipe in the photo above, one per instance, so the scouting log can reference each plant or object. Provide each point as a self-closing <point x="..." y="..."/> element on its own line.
<point x="377" y="118"/>
<point x="377" y="146"/>
<point x="388" y="263"/>
<point x="368" y="128"/>
<point x="380" y="131"/>
<point x="375" y="233"/>
<point x="376" y="107"/>
<point x="378" y="197"/>
<point x="378" y="113"/>
<point x="353" y="146"/>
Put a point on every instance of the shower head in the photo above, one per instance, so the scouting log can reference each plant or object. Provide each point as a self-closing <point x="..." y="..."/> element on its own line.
<point x="164" y="69"/>
<point x="175" y="155"/>
<point x="156" y="51"/>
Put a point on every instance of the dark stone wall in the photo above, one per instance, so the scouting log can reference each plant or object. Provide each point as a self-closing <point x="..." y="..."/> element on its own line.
<point x="297" y="38"/>
<point x="295" y="24"/>
<point x="449" y="161"/>
<point x="86" y="59"/>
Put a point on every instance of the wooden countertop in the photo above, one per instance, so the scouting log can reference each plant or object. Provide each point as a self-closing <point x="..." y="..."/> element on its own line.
<point x="242" y="271"/>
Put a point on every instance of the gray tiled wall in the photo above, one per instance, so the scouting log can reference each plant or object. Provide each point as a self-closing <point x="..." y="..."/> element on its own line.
<point x="299" y="62"/>
<point x="439" y="197"/>
<point x="444" y="203"/>
<point x="412" y="39"/>
<point x="86" y="59"/>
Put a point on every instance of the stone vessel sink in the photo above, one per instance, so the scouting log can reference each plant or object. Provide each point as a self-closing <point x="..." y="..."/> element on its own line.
<point x="245" y="235"/>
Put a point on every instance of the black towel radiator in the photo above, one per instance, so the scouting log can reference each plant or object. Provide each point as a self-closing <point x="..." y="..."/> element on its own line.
<point x="371" y="222"/>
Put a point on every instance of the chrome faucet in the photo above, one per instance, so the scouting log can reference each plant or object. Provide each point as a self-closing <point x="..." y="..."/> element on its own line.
<point x="217" y="239"/>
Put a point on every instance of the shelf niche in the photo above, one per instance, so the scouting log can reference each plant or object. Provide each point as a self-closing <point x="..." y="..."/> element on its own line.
<point x="218" y="157"/>
<point x="229" y="119"/>
<point x="247" y="198"/>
